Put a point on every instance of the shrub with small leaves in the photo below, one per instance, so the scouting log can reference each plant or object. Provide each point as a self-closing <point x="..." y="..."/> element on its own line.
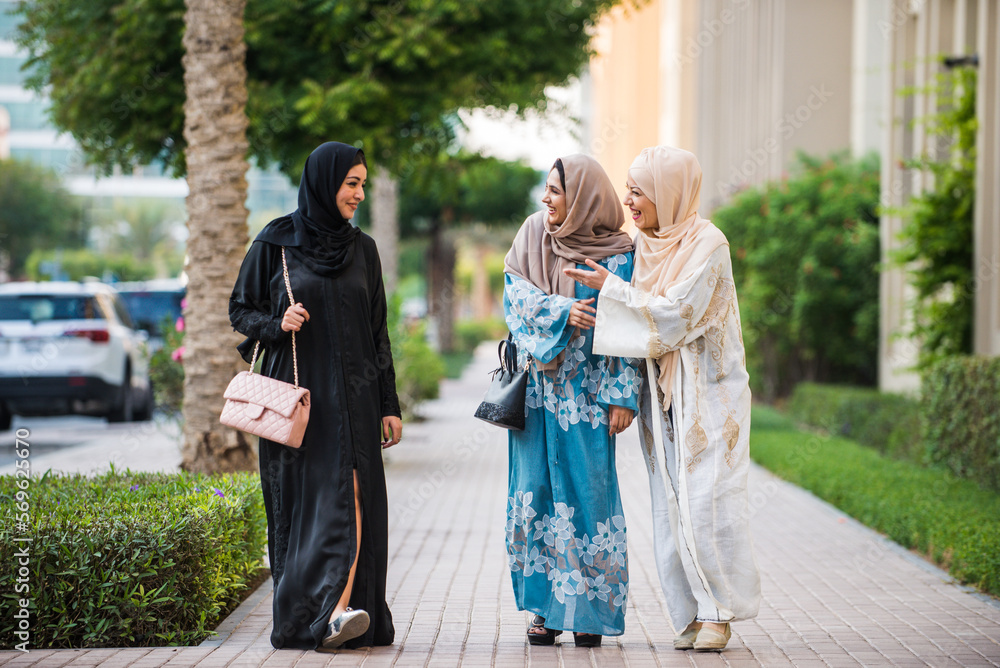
<point x="130" y="559"/>
<point x="961" y="417"/>
<point x="890" y="423"/>
<point x="166" y="367"/>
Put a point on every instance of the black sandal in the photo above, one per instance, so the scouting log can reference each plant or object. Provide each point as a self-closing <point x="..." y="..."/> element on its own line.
<point x="586" y="639"/>
<point x="547" y="638"/>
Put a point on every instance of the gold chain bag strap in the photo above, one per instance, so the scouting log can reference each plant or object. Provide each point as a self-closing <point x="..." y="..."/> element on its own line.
<point x="264" y="406"/>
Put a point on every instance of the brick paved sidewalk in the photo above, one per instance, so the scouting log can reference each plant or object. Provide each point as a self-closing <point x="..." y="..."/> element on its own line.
<point x="835" y="593"/>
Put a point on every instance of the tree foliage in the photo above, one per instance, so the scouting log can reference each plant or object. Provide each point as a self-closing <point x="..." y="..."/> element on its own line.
<point x="461" y="188"/>
<point x="383" y="75"/>
<point x="938" y="225"/>
<point x="79" y="263"/>
<point x="35" y="212"/>
<point x="465" y="188"/>
<point x="805" y="256"/>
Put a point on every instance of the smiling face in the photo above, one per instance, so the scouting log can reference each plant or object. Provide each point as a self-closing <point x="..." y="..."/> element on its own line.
<point x="642" y="208"/>
<point x="555" y="199"/>
<point x="352" y="191"/>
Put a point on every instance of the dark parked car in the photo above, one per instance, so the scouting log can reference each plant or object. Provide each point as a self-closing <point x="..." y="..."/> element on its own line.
<point x="153" y="304"/>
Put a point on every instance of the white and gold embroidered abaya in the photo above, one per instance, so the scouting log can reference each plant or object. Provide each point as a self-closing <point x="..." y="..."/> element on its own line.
<point x="681" y="314"/>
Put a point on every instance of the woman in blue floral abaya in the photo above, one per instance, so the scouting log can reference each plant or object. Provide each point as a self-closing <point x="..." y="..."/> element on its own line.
<point x="565" y="526"/>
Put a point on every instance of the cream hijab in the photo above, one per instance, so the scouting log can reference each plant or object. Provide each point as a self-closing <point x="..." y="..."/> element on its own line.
<point x="682" y="242"/>
<point x="592" y="230"/>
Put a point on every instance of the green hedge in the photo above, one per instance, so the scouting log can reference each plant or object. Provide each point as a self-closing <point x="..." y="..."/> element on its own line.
<point x="954" y="522"/>
<point x="128" y="559"/>
<point x="890" y="423"/>
<point x="961" y="410"/>
<point x="419" y="369"/>
<point x="470" y="333"/>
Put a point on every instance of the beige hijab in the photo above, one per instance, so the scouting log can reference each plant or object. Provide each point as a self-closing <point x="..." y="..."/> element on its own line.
<point x="672" y="252"/>
<point x="592" y="230"/>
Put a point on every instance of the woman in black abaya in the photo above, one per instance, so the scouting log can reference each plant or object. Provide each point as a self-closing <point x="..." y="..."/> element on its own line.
<point x="326" y="504"/>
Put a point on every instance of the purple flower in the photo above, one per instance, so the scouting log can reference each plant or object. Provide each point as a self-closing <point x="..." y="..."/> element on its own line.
<point x="134" y="487"/>
<point x="218" y="492"/>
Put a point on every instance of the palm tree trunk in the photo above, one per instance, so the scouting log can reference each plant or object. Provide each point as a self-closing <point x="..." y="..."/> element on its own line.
<point x="441" y="286"/>
<point x="215" y="124"/>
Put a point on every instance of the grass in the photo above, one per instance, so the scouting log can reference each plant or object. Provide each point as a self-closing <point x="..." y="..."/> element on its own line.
<point x="952" y="522"/>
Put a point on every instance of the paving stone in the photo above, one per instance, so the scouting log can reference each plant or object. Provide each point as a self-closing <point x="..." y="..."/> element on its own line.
<point x="835" y="593"/>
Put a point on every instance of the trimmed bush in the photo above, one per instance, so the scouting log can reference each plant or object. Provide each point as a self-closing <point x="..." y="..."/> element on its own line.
<point x="890" y="423"/>
<point x="961" y="417"/>
<point x="953" y="522"/>
<point x="470" y="333"/>
<point x="129" y="559"/>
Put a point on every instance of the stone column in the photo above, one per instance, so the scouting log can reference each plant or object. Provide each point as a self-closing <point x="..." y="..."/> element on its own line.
<point x="986" y="235"/>
<point x="897" y="352"/>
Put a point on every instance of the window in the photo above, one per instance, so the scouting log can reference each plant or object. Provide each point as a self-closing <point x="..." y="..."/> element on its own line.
<point x="8" y="22"/>
<point x="38" y="308"/>
<point x="28" y="115"/>
<point x="59" y="159"/>
<point x="122" y="312"/>
<point x="151" y="310"/>
<point x="10" y="69"/>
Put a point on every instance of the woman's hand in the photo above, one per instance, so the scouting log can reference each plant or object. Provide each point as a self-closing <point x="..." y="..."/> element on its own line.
<point x="294" y="317"/>
<point x="592" y="279"/>
<point x="619" y="419"/>
<point x="392" y="431"/>
<point x="581" y="314"/>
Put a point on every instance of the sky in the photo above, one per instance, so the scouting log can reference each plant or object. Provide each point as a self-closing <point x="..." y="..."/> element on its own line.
<point x="537" y="139"/>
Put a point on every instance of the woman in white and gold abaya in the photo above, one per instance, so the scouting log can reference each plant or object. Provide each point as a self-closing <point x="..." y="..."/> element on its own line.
<point x="680" y="313"/>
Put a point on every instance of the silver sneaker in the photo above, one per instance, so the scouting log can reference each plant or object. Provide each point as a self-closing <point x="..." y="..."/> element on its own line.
<point x="347" y="626"/>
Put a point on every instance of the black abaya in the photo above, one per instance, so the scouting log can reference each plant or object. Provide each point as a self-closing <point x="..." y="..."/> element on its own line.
<point x="345" y="361"/>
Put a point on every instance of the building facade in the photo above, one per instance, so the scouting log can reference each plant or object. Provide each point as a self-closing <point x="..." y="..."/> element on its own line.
<point x="747" y="84"/>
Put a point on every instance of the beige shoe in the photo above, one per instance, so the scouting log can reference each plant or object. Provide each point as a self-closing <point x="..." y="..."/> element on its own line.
<point x="710" y="640"/>
<point x="686" y="639"/>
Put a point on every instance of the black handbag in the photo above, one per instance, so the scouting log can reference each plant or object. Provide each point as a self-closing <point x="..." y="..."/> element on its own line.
<point x="503" y="404"/>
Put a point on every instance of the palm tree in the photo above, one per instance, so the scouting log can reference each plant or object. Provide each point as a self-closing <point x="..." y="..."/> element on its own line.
<point x="215" y="124"/>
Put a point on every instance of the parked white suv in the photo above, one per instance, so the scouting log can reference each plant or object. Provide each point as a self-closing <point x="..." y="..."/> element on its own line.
<point x="70" y="348"/>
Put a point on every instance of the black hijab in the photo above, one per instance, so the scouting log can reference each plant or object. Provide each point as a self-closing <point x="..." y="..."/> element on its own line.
<point x="316" y="232"/>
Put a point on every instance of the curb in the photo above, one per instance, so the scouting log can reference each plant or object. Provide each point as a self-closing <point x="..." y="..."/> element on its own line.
<point x="887" y="543"/>
<point x="237" y="616"/>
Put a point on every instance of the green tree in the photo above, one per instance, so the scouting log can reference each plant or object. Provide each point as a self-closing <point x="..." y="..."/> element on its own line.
<point x="35" y="212"/>
<point x="79" y="263"/>
<point x="138" y="226"/>
<point x="379" y="74"/>
<point x="459" y="189"/>
<point x="938" y="225"/>
<point x="805" y="256"/>
<point x="386" y="76"/>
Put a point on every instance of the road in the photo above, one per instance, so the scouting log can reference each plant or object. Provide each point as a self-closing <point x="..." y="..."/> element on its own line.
<point x="51" y="435"/>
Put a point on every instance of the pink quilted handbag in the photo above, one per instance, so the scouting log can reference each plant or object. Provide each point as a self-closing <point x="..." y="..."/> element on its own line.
<point x="267" y="407"/>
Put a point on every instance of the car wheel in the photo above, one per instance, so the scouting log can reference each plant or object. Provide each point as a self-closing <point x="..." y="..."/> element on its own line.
<point x="5" y="418"/>
<point x="124" y="410"/>
<point x="144" y="411"/>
